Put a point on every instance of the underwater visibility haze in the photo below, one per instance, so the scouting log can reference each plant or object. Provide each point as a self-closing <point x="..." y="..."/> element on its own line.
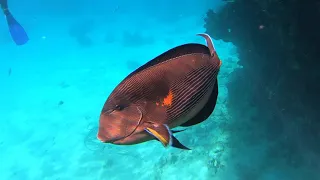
<point x="140" y="90"/>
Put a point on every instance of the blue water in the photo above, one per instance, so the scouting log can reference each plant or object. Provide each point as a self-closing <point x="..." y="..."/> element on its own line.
<point x="53" y="88"/>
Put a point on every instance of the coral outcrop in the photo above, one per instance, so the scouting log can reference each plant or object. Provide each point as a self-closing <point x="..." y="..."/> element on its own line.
<point x="275" y="97"/>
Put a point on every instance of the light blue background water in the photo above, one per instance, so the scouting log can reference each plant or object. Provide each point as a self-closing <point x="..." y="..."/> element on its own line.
<point x="40" y="139"/>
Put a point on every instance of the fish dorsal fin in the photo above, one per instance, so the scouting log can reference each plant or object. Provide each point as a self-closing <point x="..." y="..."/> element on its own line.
<point x="206" y="111"/>
<point x="181" y="50"/>
<point x="209" y="43"/>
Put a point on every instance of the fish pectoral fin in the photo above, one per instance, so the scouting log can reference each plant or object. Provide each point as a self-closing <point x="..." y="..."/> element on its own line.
<point x="177" y="131"/>
<point x="161" y="132"/>
<point x="177" y="144"/>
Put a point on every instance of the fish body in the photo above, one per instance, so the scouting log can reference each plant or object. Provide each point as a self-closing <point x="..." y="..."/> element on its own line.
<point x="177" y="88"/>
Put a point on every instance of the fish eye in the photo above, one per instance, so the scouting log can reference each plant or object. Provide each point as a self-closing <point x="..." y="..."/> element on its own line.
<point x="119" y="107"/>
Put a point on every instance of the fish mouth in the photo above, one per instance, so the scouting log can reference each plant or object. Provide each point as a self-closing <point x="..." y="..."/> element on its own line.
<point x="101" y="138"/>
<point x="105" y="139"/>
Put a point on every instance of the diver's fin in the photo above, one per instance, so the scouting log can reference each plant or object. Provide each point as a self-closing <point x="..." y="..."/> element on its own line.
<point x="162" y="133"/>
<point x="17" y="32"/>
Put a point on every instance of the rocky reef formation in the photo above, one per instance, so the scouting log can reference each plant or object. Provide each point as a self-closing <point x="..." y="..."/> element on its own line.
<point x="275" y="97"/>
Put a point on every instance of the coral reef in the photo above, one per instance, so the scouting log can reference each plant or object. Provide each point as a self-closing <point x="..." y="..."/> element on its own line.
<point x="274" y="98"/>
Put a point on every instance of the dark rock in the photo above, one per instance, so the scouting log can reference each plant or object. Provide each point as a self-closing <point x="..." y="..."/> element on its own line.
<point x="278" y="45"/>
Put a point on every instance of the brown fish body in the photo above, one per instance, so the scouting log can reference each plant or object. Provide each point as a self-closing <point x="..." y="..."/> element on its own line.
<point x="176" y="88"/>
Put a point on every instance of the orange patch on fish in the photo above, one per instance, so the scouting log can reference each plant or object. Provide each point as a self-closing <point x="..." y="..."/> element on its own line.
<point x="167" y="101"/>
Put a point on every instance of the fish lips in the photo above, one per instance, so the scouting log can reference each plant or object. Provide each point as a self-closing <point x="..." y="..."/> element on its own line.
<point x="118" y="125"/>
<point x="111" y="128"/>
<point x="102" y="136"/>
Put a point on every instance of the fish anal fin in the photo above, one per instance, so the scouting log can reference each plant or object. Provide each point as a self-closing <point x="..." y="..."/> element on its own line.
<point x="161" y="132"/>
<point x="206" y="111"/>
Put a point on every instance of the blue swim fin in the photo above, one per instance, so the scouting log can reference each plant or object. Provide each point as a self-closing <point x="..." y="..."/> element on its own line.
<point x="17" y="32"/>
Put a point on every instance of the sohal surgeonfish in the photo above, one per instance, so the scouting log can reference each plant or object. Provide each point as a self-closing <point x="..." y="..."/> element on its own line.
<point x="177" y="88"/>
